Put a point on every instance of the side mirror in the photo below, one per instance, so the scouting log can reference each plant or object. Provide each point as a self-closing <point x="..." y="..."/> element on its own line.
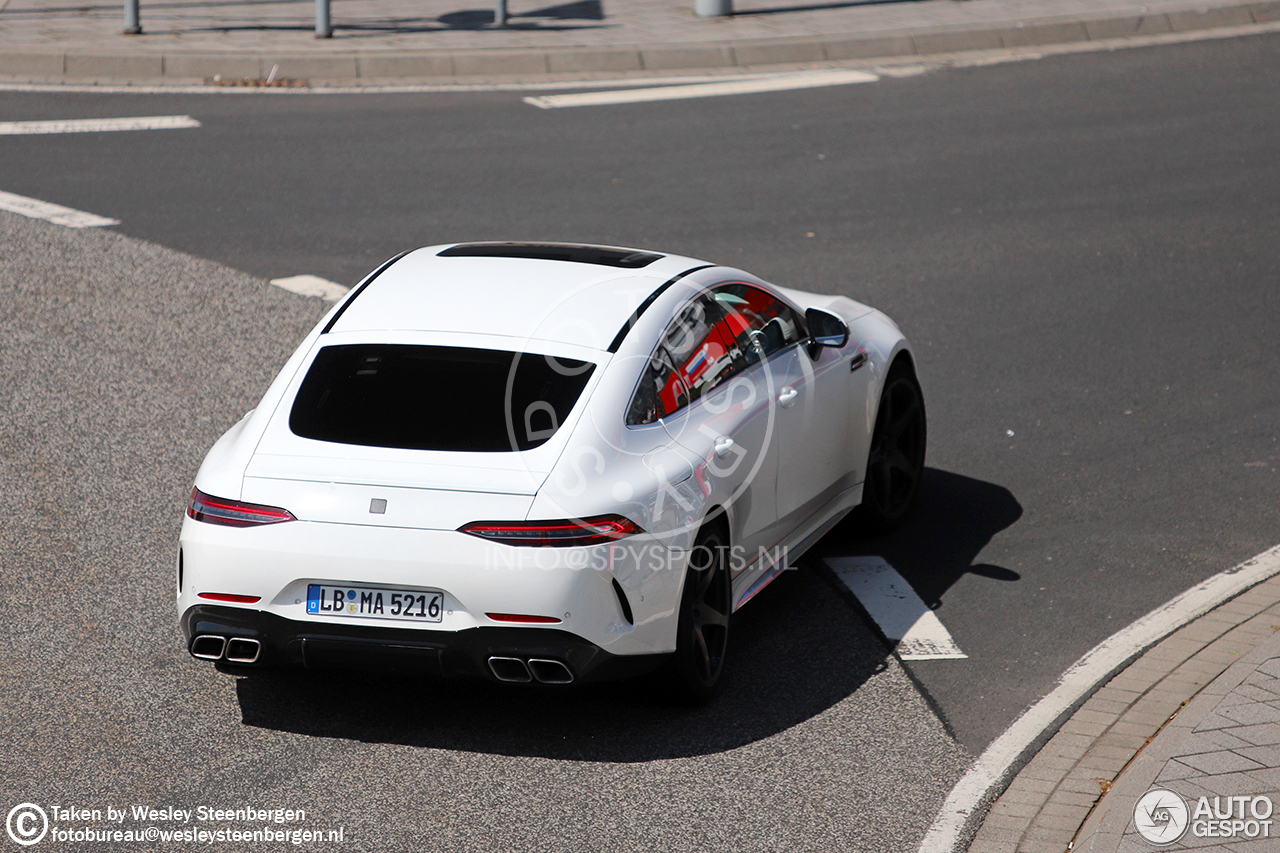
<point x="826" y="329"/>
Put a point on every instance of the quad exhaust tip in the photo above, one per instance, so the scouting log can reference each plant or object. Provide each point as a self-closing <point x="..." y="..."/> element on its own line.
<point x="510" y="670"/>
<point x="550" y="671"/>
<point x="518" y="671"/>
<point x="243" y="650"/>
<point x="233" y="649"/>
<point x="208" y="647"/>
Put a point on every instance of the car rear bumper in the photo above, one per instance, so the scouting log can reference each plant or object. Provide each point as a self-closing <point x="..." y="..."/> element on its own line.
<point x="619" y="597"/>
<point x="520" y="655"/>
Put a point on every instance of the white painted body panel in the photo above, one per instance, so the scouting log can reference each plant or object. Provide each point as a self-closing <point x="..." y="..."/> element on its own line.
<point x="802" y="470"/>
<point x="277" y="562"/>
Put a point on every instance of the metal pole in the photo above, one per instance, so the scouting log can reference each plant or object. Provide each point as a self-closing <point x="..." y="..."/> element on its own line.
<point x="500" y="13"/>
<point x="324" y="29"/>
<point x="713" y="8"/>
<point x="132" y="26"/>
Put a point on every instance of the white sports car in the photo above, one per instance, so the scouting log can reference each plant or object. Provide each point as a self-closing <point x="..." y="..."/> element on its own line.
<point x="544" y="463"/>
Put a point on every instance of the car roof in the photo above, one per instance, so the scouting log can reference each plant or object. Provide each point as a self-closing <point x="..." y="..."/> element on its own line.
<point x="564" y="293"/>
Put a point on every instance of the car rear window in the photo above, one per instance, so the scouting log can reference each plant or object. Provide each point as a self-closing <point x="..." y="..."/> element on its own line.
<point x="436" y="398"/>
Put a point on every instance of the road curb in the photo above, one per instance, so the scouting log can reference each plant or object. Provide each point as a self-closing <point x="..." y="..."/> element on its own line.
<point x="324" y="66"/>
<point x="1127" y="724"/>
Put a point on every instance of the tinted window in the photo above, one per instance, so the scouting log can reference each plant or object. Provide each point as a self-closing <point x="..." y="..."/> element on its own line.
<point x="712" y="339"/>
<point x="436" y="398"/>
<point x="702" y="347"/>
<point x="660" y="392"/>
<point x="760" y="323"/>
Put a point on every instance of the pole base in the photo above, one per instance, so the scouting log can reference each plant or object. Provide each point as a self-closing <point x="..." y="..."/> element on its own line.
<point x="713" y="8"/>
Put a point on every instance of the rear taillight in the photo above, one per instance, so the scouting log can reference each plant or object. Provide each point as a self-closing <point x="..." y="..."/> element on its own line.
<point x="555" y="534"/>
<point x="213" y="510"/>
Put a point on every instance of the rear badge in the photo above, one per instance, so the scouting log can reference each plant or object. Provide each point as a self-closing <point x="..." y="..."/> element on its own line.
<point x="378" y="506"/>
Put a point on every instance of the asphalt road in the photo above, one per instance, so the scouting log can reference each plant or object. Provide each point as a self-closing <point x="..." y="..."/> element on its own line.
<point x="1082" y="248"/>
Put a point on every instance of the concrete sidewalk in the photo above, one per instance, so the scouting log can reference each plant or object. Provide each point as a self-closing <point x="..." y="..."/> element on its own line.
<point x="395" y="41"/>
<point x="1196" y="716"/>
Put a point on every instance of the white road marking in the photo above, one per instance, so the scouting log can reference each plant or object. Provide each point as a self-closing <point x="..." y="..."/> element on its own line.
<point x="895" y="607"/>
<point x="995" y="764"/>
<point x="779" y="83"/>
<point x="312" y="285"/>
<point x="55" y="213"/>
<point x="96" y="125"/>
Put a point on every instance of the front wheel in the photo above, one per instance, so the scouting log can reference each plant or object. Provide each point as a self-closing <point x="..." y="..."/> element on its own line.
<point x="895" y="465"/>
<point x="703" y="629"/>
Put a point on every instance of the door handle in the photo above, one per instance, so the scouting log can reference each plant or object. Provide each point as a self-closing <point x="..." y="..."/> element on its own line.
<point x="787" y="398"/>
<point x="723" y="445"/>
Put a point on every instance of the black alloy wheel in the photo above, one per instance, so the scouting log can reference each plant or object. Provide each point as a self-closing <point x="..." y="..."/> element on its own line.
<point x="705" y="608"/>
<point x="895" y="465"/>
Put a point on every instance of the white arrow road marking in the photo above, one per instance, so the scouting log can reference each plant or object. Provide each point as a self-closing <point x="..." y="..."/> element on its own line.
<point x="312" y="285"/>
<point x="805" y="80"/>
<point x="96" y="125"/>
<point x="55" y="213"/>
<point x="896" y="608"/>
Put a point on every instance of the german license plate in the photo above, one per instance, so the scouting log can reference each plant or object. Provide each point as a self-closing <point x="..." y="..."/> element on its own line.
<point x="375" y="602"/>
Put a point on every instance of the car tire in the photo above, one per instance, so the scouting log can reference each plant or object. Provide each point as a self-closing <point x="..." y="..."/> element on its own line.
<point x="895" y="463"/>
<point x="703" y="626"/>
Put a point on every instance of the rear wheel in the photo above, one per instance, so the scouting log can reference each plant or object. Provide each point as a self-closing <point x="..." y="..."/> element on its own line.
<point x="703" y="630"/>
<point x="895" y="465"/>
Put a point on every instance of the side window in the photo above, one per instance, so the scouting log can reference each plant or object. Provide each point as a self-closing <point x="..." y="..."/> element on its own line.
<point x="660" y="392"/>
<point x="760" y="323"/>
<point x="697" y="352"/>
<point x="702" y="347"/>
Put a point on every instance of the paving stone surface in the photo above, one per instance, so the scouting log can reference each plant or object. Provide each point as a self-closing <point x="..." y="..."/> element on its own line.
<point x="1211" y="743"/>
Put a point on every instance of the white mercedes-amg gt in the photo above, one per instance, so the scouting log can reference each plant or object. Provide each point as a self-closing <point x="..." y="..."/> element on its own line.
<point x="544" y="463"/>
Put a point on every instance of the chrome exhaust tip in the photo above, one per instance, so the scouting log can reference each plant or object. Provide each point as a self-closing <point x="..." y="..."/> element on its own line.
<point x="208" y="647"/>
<point x="550" y="671"/>
<point x="511" y="670"/>
<point x="243" y="650"/>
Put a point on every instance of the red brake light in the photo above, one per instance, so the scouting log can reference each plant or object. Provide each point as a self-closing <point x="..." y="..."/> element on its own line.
<point x="523" y="619"/>
<point x="213" y="510"/>
<point x="231" y="597"/>
<point x="555" y="534"/>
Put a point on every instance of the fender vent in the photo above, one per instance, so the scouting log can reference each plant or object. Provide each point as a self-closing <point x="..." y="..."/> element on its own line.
<point x="622" y="601"/>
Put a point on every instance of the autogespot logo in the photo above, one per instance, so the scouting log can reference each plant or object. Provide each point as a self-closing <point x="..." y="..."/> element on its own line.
<point x="27" y="824"/>
<point x="1161" y="816"/>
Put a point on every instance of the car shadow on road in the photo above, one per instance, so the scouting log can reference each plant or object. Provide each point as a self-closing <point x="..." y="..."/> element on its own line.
<point x="955" y="518"/>
<point x="797" y="650"/>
